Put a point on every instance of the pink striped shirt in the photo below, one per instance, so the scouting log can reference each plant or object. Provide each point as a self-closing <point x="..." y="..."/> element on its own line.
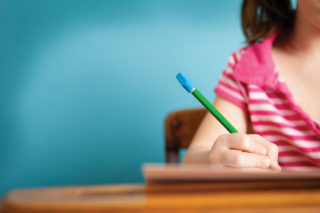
<point x="252" y="82"/>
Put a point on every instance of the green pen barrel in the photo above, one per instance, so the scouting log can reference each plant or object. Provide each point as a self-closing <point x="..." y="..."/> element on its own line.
<point x="214" y="111"/>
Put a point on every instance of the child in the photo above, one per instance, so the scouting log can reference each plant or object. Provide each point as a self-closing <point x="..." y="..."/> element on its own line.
<point x="269" y="92"/>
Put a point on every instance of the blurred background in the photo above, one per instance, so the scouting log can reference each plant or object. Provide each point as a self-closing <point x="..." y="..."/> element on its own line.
<point x="86" y="84"/>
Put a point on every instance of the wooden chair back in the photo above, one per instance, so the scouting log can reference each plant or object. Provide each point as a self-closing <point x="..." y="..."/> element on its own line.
<point x="180" y="127"/>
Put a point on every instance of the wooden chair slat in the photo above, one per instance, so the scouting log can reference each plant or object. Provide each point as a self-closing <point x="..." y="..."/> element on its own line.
<point x="180" y="127"/>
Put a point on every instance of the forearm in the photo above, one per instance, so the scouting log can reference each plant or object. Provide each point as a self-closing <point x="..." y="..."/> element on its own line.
<point x="197" y="155"/>
<point x="210" y="129"/>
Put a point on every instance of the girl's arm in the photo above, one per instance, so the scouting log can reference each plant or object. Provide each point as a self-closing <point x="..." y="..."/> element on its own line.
<point x="212" y="143"/>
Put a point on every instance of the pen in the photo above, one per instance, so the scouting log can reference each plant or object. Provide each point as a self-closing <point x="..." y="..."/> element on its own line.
<point x="189" y="86"/>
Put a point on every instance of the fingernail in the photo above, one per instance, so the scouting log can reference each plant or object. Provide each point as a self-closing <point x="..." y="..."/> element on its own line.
<point x="266" y="163"/>
<point x="279" y="167"/>
<point x="263" y="151"/>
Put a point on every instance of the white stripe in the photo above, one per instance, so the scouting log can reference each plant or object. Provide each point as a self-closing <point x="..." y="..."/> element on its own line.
<point x="285" y="148"/>
<point x="274" y="123"/>
<point x="261" y="95"/>
<point x="231" y="60"/>
<point x="285" y="130"/>
<point x="243" y="92"/>
<point x="271" y="108"/>
<point x="239" y="54"/>
<point x="280" y="78"/>
<point x="232" y="93"/>
<point x="277" y="119"/>
<point x="252" y="86"/>
<point x="270" y="100"/>
<point x="315" y="155"/>
<point x="258" y="95"/>
<point x="229" y="81"/>
<point x="298" y="143"/>
<point x="264" y="90"/>
<point x="228" y="70"/>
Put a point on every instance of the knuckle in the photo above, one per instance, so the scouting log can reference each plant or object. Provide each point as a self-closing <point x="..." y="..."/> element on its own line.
<point x="256" y="135"/>
<point x="237" y="160"/>
<point x="241" y="135"/>
<point x="211" y="159"/>
<point x="246" y="143"/>
<point x="274" y="148"/>
<point x="220" y="139"/>
<point x="214" y="158"/>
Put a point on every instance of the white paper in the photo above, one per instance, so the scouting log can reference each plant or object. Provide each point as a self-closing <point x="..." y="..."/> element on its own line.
<point x="177" y="172"/>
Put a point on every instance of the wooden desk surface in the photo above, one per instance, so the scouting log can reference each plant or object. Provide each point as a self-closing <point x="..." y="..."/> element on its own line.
<point x="276" y="196"/>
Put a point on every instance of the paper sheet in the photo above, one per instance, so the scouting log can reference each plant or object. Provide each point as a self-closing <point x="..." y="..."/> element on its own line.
<point x="178" y="172"/>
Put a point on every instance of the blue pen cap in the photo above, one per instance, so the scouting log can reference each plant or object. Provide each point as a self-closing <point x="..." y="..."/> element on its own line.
<point x="185" y="82"/>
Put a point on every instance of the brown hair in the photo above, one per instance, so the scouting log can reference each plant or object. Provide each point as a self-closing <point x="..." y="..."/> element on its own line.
<point x="261" y="18"/>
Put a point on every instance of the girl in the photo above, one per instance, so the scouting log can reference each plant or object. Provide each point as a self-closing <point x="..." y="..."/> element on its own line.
<point x="269" y="92"/>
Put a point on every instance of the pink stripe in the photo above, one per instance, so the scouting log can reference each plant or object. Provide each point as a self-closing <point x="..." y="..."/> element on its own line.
<point x="290" y="137"/>
<point x="267" y="112"/>
<point x="229" y="76"/>
<point x="232" y="66"/>
<point x="269" y="94"/>
<point x="262" y="101"/>
<point x="280" y="125"/>
<point x="282" y="143"/>
<point x="230" y="98"/>
<point x="282" y="106"/>
<point x="275" y="95"/>
<point x="304" y="149"/>
<point x="259" y="89"/>
<point x="292" y="117"/>
<point x="268" y="98"/>
<point x="297" y="154"/>
<point x="289" y="153"/>
<point x="230" y="87"/>
<point x="235" y="58"/>
<point x="259" y="101"/>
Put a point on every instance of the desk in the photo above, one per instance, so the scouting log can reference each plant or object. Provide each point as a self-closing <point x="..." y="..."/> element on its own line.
<point x="259" y="196"/>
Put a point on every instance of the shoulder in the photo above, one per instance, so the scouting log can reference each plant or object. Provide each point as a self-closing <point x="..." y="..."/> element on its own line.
<point x="234" y="58"/>
<point x="253" y="64"/>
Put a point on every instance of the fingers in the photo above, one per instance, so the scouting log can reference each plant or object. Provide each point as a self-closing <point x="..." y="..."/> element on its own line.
<point x="247" y="144"/>
<point x="254" y="144"/>
<point x="239" y="159"/>
<point x="273" y="150"/>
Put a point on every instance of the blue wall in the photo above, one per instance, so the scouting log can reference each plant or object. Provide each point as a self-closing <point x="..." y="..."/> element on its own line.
<point x="86" y="84"/>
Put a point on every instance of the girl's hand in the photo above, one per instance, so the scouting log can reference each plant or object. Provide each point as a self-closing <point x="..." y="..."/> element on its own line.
<point x="244" y="151"/>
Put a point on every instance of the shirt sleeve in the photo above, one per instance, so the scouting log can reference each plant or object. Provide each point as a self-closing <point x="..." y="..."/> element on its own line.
<point x="230" y="88"/>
